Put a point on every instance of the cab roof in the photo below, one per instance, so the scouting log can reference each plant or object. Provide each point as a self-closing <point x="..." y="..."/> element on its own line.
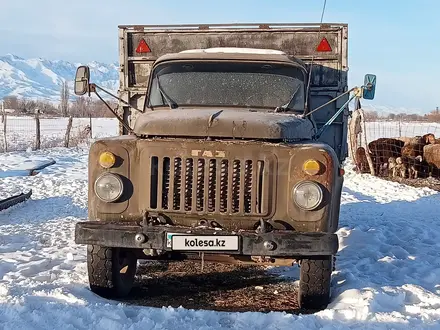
<point x="231" y="54"/>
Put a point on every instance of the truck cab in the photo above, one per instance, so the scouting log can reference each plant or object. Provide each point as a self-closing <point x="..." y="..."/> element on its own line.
<point x="220" y="156"/>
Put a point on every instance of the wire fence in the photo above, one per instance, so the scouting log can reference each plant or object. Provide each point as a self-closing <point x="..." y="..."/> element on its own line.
<point x="395" y="150"/>
<point x="19" y="133"/>
<point x="407" y="151"/>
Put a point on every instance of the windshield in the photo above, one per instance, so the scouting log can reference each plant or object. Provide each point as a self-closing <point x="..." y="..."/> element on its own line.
<point x="253" y="85"/>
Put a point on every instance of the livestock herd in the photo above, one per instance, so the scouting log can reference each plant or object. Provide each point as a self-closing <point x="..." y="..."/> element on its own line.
<point x="412" y="158"/>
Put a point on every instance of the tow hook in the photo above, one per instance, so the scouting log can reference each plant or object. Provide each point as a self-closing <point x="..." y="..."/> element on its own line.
<point x="264" y="227"/>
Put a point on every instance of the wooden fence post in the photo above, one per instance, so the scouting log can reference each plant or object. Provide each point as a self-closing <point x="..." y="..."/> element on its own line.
<point x="68" y="129"/>
<point x="354" y="129"/>
<point x="367" y="150"/>
<point x="91" y="131"/>
<point x="37" y="130"/>
<point x="4" y="118"/>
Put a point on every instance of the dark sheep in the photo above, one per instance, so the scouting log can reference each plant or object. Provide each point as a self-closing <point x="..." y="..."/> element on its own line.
<point x="382" y="149"/>
<point x="361" y="160"/>
<point x="414" y="147"/>
<point x="429" y="138"/>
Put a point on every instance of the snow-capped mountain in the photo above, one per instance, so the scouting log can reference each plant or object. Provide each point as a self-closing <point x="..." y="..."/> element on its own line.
<point x="39" y="78"/>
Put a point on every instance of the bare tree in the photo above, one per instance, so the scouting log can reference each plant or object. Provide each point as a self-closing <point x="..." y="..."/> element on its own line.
<point x="434" y="115"/>
<point x="46" y="107"/>
<point x="371" y="115"/>
<point x="81" y="106"/>
<point x="11" y="102"/>
<point x="392" y="116"/>
<point x="99" y="109"/>
<point x="64" y="98"/>
<point x="86" y="106"/>
<point x="27" y="105"/>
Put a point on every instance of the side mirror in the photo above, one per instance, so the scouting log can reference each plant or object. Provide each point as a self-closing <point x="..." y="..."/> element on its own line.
<point x="369" y="87"/>
<point x="82" y="79"/>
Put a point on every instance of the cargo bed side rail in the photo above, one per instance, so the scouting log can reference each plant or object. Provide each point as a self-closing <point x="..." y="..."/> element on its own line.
<point x="235" y="26"/>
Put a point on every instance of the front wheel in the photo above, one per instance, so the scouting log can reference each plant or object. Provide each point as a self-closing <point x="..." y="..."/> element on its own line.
<point x="111" y="270"/>
<point x="314" y="282"/>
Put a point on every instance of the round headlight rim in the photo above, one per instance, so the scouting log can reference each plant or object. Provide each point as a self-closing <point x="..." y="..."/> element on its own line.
<point x="320" y="190"/>
<point x="121" y="192"/>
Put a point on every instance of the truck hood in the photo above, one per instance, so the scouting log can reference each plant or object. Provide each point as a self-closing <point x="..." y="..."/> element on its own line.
<point x="223" y="123"/>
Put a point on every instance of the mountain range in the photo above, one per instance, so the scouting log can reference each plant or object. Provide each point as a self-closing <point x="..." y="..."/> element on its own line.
<point x="39" y="78"/>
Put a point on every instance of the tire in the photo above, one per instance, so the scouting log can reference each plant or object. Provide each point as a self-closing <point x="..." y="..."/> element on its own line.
<point x="315" y="282"/>
<point x="104" y="265"/>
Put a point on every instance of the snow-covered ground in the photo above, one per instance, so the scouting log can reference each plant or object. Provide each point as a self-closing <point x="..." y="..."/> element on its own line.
<point x="387" y="273"/>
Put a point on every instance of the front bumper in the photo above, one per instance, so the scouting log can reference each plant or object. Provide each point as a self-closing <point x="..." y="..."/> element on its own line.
<point x="283" y="243"/>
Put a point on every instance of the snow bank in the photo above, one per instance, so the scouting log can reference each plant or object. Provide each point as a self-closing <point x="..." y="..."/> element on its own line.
<point x="387" y="271"/>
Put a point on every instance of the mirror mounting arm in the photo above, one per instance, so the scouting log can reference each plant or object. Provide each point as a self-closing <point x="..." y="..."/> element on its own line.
<point x="92" y="88"/>
<point x="332" y="119"/>
<point x="329" y="102"/>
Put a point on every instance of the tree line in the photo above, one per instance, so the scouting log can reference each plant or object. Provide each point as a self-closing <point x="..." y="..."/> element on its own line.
<point x="84" y="106"/>
<point x="78" y="106"/>
<point x="432" y="116"/>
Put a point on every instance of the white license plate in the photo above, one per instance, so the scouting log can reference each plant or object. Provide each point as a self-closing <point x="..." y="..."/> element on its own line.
<point x="169" y="236"/>
<point x="204" y="243"/>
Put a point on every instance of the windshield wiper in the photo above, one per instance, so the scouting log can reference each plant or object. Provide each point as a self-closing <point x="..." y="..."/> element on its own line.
<point x="286" y="106"/>
<point x="170" y="102"/>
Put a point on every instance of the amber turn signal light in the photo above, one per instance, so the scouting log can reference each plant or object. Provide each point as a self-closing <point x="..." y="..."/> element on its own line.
<point x="311" y="167"/>
<point x="107" y="159"/>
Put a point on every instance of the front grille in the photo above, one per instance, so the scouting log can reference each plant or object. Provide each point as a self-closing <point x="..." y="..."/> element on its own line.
<point x="205" y="185"/>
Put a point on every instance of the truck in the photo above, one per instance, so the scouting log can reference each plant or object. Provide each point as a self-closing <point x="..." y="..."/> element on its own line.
<point x="231" y="149"/>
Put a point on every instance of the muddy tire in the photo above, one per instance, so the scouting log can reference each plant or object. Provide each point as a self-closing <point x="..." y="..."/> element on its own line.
<point x="111" y="270"/>
<point x="314" y="282"/>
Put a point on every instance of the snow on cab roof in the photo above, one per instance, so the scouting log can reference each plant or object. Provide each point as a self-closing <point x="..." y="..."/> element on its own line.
<point x="236" y="50"/>
<point x="232" y="53"/>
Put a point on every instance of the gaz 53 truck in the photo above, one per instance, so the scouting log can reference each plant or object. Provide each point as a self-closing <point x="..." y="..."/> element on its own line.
<point x="231" y="149"/>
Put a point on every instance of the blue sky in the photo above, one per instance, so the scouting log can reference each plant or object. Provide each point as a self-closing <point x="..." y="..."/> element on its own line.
<point x="397" y="40"/>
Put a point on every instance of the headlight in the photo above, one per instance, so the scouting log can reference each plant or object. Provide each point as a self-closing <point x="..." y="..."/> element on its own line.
<point x="108" y="187"/>
<point x="307" y="195"/>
